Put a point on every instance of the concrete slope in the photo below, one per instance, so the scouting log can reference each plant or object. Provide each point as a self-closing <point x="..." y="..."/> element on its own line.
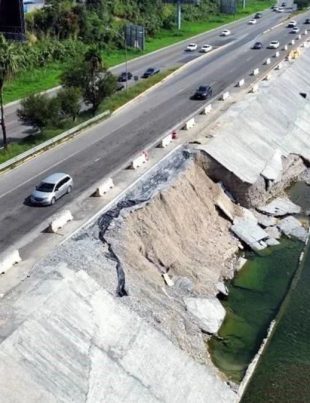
<point x="82" y="345"/>
<point x="275" y="119"/>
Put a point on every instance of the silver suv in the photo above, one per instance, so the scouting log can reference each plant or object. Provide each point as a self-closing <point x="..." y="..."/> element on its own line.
<point x="52" y="188"/>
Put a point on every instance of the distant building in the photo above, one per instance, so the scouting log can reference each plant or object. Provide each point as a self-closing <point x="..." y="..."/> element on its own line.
<point x="30" y="5"/>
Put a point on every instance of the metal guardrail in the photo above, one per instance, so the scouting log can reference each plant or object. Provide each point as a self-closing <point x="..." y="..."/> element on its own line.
<point x="57" y="139"/>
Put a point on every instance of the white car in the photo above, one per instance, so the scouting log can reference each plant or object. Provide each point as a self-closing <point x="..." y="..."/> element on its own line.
<point x="295" y="30"/>
<point x="226" y="32"/>
<point x="292" y="24"/>
<point x="252" y="22"/>
<point x="274" y="45"/>
<point x="280" y="10"/>
<point x="206" y="48"/>
<point x="191" y="47"/>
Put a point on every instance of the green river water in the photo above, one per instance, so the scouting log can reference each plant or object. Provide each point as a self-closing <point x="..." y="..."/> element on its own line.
<point x="270" y="286"/>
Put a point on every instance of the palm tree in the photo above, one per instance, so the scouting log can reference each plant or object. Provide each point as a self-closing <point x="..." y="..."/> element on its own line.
<point x="8" y="66"/>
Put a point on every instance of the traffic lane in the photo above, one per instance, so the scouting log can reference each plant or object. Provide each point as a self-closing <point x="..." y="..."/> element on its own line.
<point x="163" y="59"/>
<point x="90" y="165"/>
<point x="140" y="106"/>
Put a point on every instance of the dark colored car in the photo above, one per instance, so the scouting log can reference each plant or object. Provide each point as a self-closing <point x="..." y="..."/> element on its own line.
<point x="203" y="92"/>
<point x="307" y="21"/>
<point x="257" y="45"/>
<point x="258" y="15"/>
<point x="122" y="76"/>
<point x="150" y="72"/>
<point x="283" y="4"/>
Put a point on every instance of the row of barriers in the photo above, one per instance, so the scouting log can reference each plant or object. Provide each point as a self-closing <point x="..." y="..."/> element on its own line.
<point x="58" y="221"/>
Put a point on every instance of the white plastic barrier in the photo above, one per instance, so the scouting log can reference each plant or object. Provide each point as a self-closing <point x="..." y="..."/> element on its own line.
<point x="277" y="54"/>
<point x="298" y="36"/>
<point x="240" y="83"/>
<point x="305" y="32"/>
<point x="268" y="61"/>
<point x="224" y="96"/>
<point x="139" y="161"/>
<point x="7" y="260"/>
<point x="267" y="77"/>
<point x="279" y="66"/>
<point x="165" y="141"/>
<point x="189" y="124"/>
<point x="285" y="47"/>
<point x="292" y="42"/>
<point x="104" y="187"/>
<point x="207" y="109"/>
<point x="255" y="72"/>
<point x="60" y="220"/>
<point x="254" y="88"/>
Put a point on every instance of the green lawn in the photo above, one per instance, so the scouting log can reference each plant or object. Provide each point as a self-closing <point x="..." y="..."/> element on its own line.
<point x="111" y="104"/>
<point x="37" y="80"/>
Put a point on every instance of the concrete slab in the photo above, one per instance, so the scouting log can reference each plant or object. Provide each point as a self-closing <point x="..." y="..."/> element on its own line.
<point x="280" y="206"/>
<point x="291" y="227"/>
<point x="250" y="233"/>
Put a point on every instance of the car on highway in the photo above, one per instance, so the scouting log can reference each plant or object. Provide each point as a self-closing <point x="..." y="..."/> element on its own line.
<point x="51" y="189"/>
<point x="252" y="21"/>
<point x="257" y="45"/>
<point x="203" y="92"/>
<point x="206" y="48"/>
<point x="274" y="8"/>
<point x="283" y="4"/>
<point x="258" y="15"/>
<point x="226" y="32"/>
<point x="307" y="21"/>
<point x="191" y="47"/>
<point x="292" y="24"/>
<point x="151" y="71"/>
<point x="295" y="30"/>
<point x="274" y="45"/>
<point x="280" y="10"/>
<point x="122" y="76"/>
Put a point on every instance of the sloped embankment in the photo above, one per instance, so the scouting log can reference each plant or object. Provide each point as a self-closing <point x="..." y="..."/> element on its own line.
<point x="178" y="231"/>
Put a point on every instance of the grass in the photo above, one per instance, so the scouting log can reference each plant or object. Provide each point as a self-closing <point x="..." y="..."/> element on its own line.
<point x="41" y="79"/>
<point x="111" y="104"/>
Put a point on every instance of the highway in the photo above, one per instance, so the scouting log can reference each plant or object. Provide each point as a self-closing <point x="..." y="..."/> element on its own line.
<point x="106" y="146"/>
<point x="173" y="56"/>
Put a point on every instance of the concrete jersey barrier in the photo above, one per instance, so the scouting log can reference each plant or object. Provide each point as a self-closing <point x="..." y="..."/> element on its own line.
<point x="8" y="259"/>
<point x="104" y="187"/>
<point x="60" y="220"/>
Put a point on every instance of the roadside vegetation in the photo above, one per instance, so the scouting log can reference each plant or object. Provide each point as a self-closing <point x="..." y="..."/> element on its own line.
<point x="49" y="126"/>
<point x="66" y="29"/>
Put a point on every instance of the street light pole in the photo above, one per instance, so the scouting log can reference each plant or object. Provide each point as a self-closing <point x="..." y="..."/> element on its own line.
<point x="126" y="62"/>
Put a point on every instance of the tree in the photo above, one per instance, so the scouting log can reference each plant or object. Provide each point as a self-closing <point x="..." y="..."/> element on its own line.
<point x="92" y="77"/>
<point x="69" y="101"/>
<point x="8" y="66"/>
<point x="39" y="110"/>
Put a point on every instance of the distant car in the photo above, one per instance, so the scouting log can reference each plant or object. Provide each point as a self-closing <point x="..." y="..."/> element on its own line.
<point x="307" y="21"/>
<point x="274" y="45"/>
<point x="203" y="92"/>
<point x="226" y="32"/>
<point x="122" y="76"/>
<point x="51" y="189"/>
<point x="283" y="4"/>
<point x="252" y="22"/>
<point x="206" y="48"/>
<point x="274" y="8"/>
<point x="257" y="45"/>
<point x="191" y="47"/>
<point x="258" y="15"/>
<point x="280" y="10"/>
<point x="292" y="24"/>
<point x="295" y="30"/>
<point x="150" y="72"/>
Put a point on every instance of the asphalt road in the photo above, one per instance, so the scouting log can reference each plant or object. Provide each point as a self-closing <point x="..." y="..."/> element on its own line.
<point x="103" y="148"/>
<point x="166" y="58"/>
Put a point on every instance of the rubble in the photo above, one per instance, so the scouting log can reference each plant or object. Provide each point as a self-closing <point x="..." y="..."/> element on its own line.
<point x="291" y="227"/>
<point x="209" y="312"/>
<point x="264" y="220"/>
<point x="281" y="206"/>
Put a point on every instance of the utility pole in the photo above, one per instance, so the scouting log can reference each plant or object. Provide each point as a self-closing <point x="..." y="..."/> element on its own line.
<point x="179" y="14"/>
